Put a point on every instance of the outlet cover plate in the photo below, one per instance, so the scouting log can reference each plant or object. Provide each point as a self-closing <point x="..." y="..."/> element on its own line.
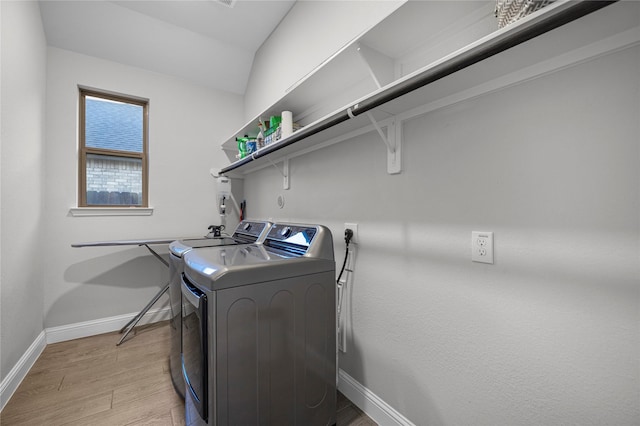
<point x="482" y="247"/>
<point x="354" y="228"/>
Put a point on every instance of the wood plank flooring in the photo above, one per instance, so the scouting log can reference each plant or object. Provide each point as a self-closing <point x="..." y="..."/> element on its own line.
<point x="92" y="381"/>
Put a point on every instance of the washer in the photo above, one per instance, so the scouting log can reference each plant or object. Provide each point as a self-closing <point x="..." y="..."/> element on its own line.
<point x="246" y="232"/>
<point x="259" y="331"/>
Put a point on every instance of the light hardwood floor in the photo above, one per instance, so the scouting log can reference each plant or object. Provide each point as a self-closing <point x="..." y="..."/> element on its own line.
<point x="92" y="381"/>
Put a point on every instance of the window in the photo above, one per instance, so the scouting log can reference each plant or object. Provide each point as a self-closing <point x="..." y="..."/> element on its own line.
<point x="113" y="150"/>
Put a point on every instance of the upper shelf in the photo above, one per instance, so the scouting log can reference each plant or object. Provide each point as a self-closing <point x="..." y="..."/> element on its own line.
<point x="475" y="66"/>
<point x="347" y="74"/>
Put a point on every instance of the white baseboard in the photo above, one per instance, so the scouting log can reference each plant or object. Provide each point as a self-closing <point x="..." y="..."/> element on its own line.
<point x="69" y="332"/>
<point x="103" y="325"/>
<point x="372" y="405"/>
<point x="11" y="382"/>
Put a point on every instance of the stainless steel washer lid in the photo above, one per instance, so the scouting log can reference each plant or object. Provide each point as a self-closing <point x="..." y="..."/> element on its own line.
<point x="247" y="232"/>
<point x="180" y="247"/>
<point x="216" y="268"/>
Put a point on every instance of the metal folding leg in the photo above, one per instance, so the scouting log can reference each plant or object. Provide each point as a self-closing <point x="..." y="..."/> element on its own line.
<point x="138" y="317"/>
<point x="131" y="324"/>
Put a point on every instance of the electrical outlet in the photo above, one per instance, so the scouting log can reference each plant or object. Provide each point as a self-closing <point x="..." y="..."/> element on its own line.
<point x="354" y="228"/>
<point x="482" y="247"/>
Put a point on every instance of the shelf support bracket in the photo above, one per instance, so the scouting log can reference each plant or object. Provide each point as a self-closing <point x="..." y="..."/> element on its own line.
<point x="391" y="146"/>
<point x="284" y="172"/>
<point x="393" y="142"/>
<point x="380" y="66"/>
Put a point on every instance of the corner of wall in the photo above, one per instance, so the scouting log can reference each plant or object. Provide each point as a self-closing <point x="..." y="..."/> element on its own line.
<point x="23" y="83"/>
<point x="19" y="371"/>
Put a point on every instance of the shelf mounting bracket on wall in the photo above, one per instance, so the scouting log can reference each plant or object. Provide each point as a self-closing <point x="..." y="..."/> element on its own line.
<point x="393" y="141"/>
<point x="284" y="172"/>
<point x="379" y="65"/>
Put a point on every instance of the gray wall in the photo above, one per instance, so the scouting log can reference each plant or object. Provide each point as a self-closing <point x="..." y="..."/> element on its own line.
<point x="22" y="170"/>
<point x="546" y="335"/>
<point x="84" y="284"/>
<point x="45" y="282"/>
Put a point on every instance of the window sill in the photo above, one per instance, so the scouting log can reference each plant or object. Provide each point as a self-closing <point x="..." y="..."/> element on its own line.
<point x="110" y="211"/>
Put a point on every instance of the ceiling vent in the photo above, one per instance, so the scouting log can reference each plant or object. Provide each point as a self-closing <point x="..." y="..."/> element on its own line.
<point x="227" y="3"/>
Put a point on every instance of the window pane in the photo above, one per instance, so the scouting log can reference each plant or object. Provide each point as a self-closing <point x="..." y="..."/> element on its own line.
<point x="114" y="180"/>
<point x="113" y="125"/>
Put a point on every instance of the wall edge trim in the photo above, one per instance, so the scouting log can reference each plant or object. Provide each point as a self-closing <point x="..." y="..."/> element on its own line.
<point x="103" y="325"/>
<point x="372" y="405"/>
<point x="19" y="371"/>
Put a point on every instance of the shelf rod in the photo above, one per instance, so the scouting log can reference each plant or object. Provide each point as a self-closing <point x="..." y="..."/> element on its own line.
<point x="562" y="14"/>
<point x="566" y="12"/>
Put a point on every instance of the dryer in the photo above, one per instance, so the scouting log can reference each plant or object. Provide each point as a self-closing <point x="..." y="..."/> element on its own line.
<point x="259" y="331"/>
<point x="247" y="231"/>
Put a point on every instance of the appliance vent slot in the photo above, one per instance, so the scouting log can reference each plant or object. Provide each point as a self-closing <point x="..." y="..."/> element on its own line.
<point x="244" y="238"/>
<point x="293" y="249"/>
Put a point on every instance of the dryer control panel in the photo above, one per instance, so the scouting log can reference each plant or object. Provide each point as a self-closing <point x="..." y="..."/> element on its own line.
<point x="293" y="239"/>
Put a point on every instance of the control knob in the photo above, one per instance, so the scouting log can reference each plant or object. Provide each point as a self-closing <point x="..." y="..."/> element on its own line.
<point x="285" y="232"/>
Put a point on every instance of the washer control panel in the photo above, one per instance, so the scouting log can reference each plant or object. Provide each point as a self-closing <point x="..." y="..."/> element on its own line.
<point x="248" y="232"/>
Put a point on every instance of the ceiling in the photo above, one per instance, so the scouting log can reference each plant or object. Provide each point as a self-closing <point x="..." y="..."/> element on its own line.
<point x="203" y="41"/>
